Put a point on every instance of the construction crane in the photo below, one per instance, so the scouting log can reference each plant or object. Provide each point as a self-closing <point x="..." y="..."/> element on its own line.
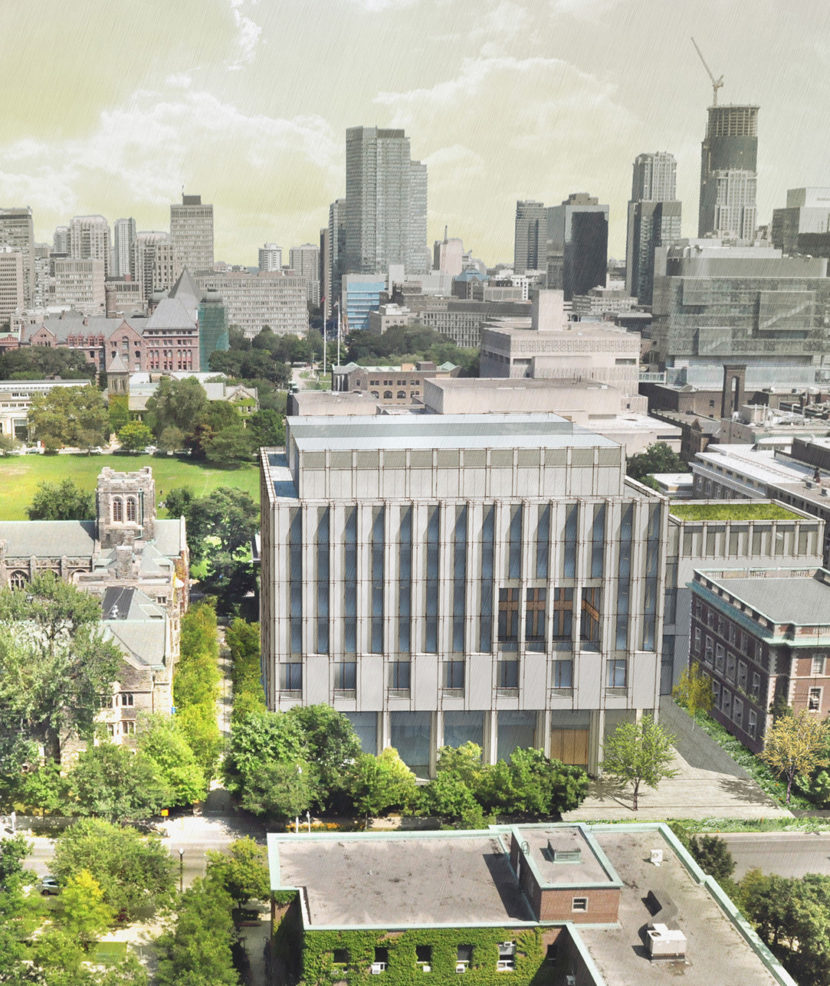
<point x="716" y="83"/>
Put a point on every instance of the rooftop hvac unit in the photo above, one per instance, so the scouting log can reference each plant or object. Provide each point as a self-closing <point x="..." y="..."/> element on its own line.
<point x="460" y="966"/>
<point x="657" y="856"/>
<point x="378" y="967"/>
<point x="665" y="943"/>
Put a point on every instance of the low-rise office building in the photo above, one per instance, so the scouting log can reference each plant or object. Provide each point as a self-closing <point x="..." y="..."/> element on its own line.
<point x="549" y="905"/>
<point x="16" y="399"/>
<point x="763" y="636"/>
<point x="445" y="578"/>
<point x="390" y="386"/>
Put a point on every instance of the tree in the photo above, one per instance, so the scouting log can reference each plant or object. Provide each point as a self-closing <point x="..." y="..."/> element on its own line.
<point x="13" y="924"/>
<point x="61" y="501"/>
<point x="162" y="740"/>
<point x="379" y="783"/>
<point x="45" y="363"/>
<point x="639" y="753"/>
<point x="447" y="796"/>
<point x="795" y="746"/>
<point x="116" y="783"/>
<point x="659" y="457"/>
<point x="268" y="427"/>
<point x="73" y="416"/>
<point x="198" y="950"/>
<point x="243" y="641"/>
<point x="332" y="744"/>
<point x="242" y="871"/>
<point x="282" y="789"/>
<point x="230" y="446"/>
<point x="227" y="517"/>
<point x="259" y="739"/>
<point x="85" y="914"/>
<point x="54" y="663"/>
<point x="135" y="873"/>
<point x="135" y="436"/>
<point x="119" y="411"/>
<point x="713" y="856"/>
<point x="694" y="690"/>
<point x="176" y="404"/>
<point x="171" y="439"/>
<point x="196" y="685"/>
<point x="8" y="443"/>
<point x="43" y="789"/>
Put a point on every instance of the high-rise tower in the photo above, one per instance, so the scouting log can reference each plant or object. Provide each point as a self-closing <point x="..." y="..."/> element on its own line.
<point x="123" y="242"/>
<point x="653" y="220"/>
<point x="386" y="202"/>
<point x="17" y="233"/>
<point x="530" y="237"/>
<point x="89" y="239"/>
<point x="191" y="231"/>
<point x="728" y="173"/>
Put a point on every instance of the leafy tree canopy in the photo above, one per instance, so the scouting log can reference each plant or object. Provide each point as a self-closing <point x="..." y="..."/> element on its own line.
<point x="242" y="871"/>
<point x="694" y="690"/>
<point x="659" y="457"/>
<point x="116" y="783"/>
<point x="162" y="740"/>
<point x="62" y="500"/>
<point x="639" y="753"/>
<point x="44" y="363"/>
<point x="197" y="952"/>
<point x="176" y="404"/>
<point x="72" y="416"/>
<point x="795" y="745"/>
<point x="135" y="436"/>
<point x="380" y="783"/>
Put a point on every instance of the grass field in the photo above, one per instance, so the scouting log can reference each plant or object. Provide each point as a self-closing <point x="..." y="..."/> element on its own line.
<point x="21" y="474"/>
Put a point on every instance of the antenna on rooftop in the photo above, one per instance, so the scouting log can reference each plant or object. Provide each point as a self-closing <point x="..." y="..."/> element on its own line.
<point x="716" y="83"/>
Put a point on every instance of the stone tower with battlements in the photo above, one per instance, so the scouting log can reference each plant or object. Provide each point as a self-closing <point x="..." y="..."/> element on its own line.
<point x="126" y="506"/>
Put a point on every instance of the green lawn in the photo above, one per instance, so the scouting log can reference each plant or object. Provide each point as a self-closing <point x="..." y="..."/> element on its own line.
<point x="737" y="510"/>
<point x="20" y="475"/>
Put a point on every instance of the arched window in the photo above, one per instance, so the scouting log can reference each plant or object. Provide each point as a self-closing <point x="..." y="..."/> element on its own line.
<point x="387" y="395"/>
<point x="117" y="511"/>
<point x="18" y="579"/>
<point x="131" y="511"/>
<point x="401" y="395"/>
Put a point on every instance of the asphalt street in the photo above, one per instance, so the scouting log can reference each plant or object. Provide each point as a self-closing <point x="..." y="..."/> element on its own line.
<point x="782" y="853"/>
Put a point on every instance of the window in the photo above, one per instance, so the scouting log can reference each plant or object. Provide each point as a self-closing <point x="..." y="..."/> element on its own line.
<point x="752" y="728"/>
<point x="378" y="538"/>
<point x="696" y="641"/>
<point x="295" y="580"/>
<point x="381" y="954"/>
<point x="571" y="520"/>
<point x="818" y="663"/>
<point x="542" y="542"/>
<point x="454" y="674"/>
<point x="323" y="581"/>
<point x="128" y="728"/>
<point x="117" y="511"/>
<point x="514" y="559"/>
<point x="591" y="604"/>
<point x="563" y="674"/>
<point x="400" y="673"/>
<point x="535" y="618"/>
<point x="459" y="576"/>
<point x="131" y="509"/>
<point x="756" y="684"/>
<point x="563" y="606"/>
<point x="509" y="616"/>
<point x="126" y="699"/>
<point x="431" y="585"/>
<point x="507" y="956"/>
<point x="345" y="676"/>
<point x="464" y="956"/>
<point x="508" y="674"/>
<point x="719" y="656"/>
<point x="617" y="669"/>
<point x="738" y="711"/>
<point x="18" y="580"/>
<point x="106" y="701"/>
<point x="707" y="653"/>
<point x="730" y="666"/>
<point x="814" y="700"/>
<point x="552" y="952"/>
<point x="485" y="641"/>
<point x="291" y="677"/>
<point x="405" y="581"/>
<point x="742" y="675"/>
<point x="579" y="904"/>
<point x="340" y="956"/>
<point x="423" y="955"/>
<point x="350" y="582"/>
<point x="726" y="703"/>
<point x="598" y="541"/>
<point x="401" y="396"/>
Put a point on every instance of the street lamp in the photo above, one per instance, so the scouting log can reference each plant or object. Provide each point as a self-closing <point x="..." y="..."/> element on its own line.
<point x="181" y="870"/>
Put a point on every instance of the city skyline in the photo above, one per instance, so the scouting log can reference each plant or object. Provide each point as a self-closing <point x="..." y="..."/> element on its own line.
<point x="248" y="104"/>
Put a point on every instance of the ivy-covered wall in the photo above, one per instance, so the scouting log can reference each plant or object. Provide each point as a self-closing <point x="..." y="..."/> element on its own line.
<point x="316" y="966"/>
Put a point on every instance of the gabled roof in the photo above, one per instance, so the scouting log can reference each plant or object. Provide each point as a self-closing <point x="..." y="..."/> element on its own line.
<point x="172" y="313"/>
<point x="70" y="538"/>
<point x="117" y="365"/>
<point x="187" y="291"/>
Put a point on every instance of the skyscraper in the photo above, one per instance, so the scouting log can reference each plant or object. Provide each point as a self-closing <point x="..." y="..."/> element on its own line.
<point x="89" y="239"/>
<point x="530" y="237"/>
<point x="305" y="261"/>
<point x="270" y="257"/>
<point x="191" y="231"/>
<point x="653" y="220"/>
<point x="122" y="248"/>
<point x="577" y="232"/>
<point x="17" y="232"/>
<point x="153" y="262"/>
<point x="334" y="263"/>
<point x="728" y="173"/>
<point x="386" y="202"/>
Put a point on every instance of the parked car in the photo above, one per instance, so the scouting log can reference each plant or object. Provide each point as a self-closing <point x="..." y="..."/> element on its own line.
<point x="49" y="886"/>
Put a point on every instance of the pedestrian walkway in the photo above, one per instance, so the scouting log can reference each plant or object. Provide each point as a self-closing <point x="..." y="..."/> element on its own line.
<point x="708" y="784"/>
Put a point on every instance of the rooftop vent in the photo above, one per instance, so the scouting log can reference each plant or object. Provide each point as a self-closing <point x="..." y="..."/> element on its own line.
<point x="665" y="943"/>
<point x="563" y="855"/>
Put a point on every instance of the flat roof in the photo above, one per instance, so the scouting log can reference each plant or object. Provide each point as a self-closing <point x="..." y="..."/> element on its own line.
<point x="542" y="845"/>
<point x="716" y="952"/>
<point x="788" y="597"/>
<point x="459" y="431"/>
<point x="398" y="881"/>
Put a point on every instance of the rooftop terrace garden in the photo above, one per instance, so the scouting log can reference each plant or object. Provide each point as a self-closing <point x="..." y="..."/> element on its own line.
<point x="735" y="510"/>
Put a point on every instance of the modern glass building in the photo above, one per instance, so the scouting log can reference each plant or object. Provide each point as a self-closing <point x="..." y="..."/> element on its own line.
<point x="213" y="327"/>
<point x="361" y="295"/>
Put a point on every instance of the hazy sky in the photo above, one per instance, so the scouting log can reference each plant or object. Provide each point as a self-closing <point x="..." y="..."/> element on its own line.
<point x="112" y="106"/>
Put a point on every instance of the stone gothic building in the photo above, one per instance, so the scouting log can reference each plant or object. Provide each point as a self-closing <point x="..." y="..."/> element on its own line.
<point x="136" y="564"/>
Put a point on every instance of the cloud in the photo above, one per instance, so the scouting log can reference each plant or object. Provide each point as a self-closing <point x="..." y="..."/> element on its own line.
<point x="262" y="172"/>
<point x="248" y="35"/>
<point x="380" y="6"/>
